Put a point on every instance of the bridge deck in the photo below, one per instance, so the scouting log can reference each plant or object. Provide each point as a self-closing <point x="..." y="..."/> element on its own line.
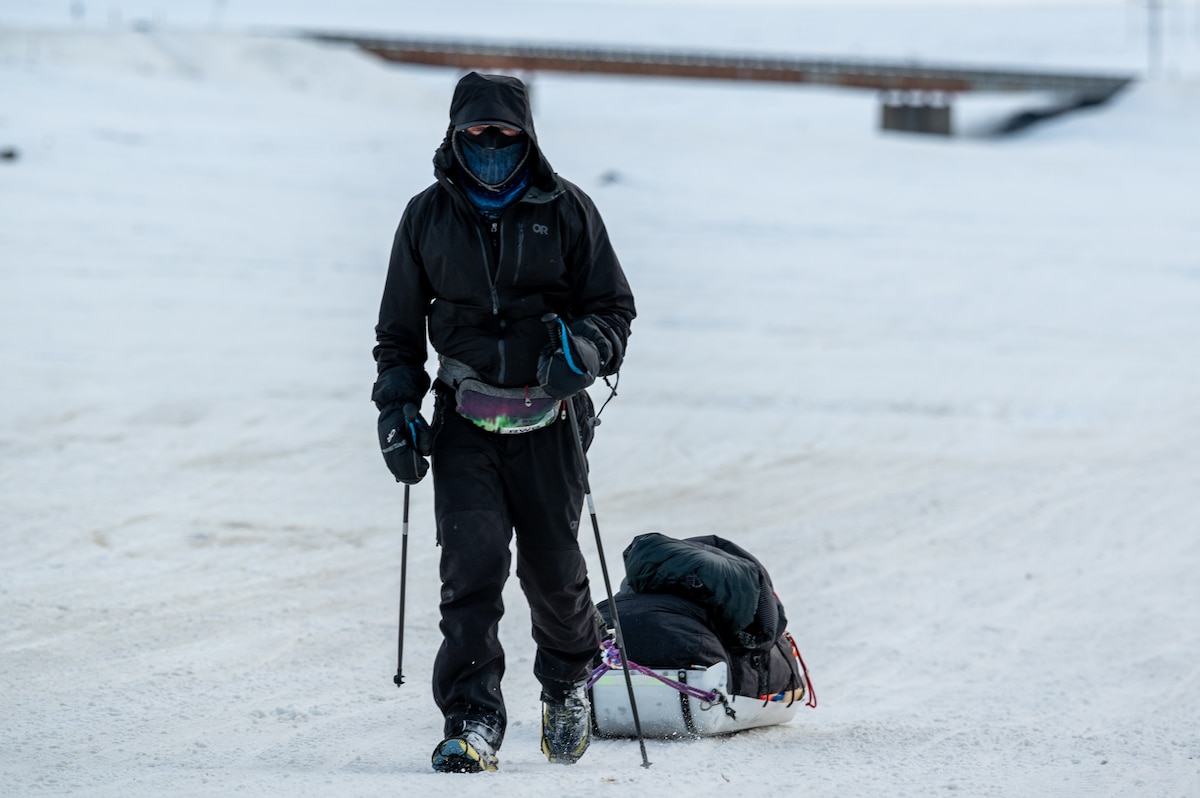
<point x="860" y="74"/>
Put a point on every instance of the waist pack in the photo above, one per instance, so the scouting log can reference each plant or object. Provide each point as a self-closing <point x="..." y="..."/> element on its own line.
<point x="506" y="411"/>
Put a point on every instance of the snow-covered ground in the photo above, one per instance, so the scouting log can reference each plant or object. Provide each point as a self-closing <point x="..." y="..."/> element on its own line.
<point x="948" y="390"/>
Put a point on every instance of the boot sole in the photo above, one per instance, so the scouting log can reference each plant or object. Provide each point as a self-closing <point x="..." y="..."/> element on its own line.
<point x="567" y="758"/>
<point x="457" y="756"/>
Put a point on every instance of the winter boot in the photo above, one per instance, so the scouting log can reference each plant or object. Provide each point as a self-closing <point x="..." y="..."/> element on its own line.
<point x="566" y="725"/>
<point x="472" y="749"/>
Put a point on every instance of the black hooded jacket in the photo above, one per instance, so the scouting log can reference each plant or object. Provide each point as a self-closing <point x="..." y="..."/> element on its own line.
<point x="484" y="285"/>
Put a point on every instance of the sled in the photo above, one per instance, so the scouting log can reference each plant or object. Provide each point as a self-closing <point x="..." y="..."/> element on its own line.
<point x="665" y="712"/>
<point x="708" y="649"/>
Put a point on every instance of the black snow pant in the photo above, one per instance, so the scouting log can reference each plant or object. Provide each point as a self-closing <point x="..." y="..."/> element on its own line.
<point x="486" y="486"/>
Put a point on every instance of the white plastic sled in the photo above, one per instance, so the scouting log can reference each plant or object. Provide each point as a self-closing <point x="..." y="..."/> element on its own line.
<point x="664" y="711"/>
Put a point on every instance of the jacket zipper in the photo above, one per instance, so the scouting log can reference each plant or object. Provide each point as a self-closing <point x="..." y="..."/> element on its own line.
<point x="497" y="250"/>
<point x="520" y="253"/>
<point x="490" y="258"/>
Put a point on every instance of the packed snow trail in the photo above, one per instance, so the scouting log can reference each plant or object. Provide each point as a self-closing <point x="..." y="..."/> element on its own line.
<point x="946" y="391"/>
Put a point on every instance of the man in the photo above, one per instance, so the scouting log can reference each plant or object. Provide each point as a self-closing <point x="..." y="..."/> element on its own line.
<point x="480" y="260"/>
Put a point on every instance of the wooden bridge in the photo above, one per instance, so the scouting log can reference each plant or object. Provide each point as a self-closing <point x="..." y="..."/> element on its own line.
<point x="915" y="97"/>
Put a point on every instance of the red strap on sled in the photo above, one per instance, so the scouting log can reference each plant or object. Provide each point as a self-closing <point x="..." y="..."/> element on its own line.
<point x="808" y="685"/>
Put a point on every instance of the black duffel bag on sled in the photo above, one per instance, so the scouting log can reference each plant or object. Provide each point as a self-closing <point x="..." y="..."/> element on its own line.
<point x="707" y="644"/>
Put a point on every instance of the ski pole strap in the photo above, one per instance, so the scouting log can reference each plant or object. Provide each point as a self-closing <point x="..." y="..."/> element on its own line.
<point x="612" y="392"/>
<point x="611" y="659"/>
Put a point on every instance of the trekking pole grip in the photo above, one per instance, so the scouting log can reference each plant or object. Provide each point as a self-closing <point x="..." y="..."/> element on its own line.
<point x="554" y="328"/>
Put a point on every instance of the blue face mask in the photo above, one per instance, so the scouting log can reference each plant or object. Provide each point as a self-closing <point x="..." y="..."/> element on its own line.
<point x="492" y="158"/>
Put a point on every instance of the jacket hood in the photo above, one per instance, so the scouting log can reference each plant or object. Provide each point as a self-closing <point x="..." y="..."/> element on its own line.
<point x="491" y="98"/>
<point x="496" y="99"/>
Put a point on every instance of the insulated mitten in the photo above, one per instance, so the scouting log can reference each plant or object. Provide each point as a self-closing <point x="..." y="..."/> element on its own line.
<point x="399" y="386"/>
<point x="405" y="442"/>
<point x="608" y="343"/>
<point x="569" y="363"/>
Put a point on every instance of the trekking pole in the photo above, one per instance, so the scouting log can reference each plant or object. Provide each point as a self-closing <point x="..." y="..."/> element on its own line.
<point x="410" y="416"/>
<point x="399" y="677"/>
<point x="557" y="337"/>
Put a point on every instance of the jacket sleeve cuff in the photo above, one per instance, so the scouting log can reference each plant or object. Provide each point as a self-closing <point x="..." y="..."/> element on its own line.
<point x="399" y="385"/>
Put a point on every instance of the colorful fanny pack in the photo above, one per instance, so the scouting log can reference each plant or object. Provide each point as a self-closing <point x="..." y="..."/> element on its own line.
<point x="507" y="411"/>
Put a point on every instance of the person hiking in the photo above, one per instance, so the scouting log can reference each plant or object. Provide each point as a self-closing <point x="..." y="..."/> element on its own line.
<point x="479" y="261"/>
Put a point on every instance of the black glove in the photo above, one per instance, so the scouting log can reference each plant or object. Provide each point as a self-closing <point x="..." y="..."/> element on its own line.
<point x="569" y="363"/>
<point x="405" y="442"/>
